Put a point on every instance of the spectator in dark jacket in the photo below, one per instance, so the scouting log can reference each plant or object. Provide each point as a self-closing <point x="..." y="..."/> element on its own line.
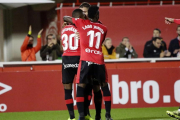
<point x="156" y="33"/>
<point x="174" y="46"/>
<point x="154" y="50"/>
<point x="125" y="48"/>
<point x="51" y="51"/>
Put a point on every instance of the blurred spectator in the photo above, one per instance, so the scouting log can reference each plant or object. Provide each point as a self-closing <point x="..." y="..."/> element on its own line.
<point x="27" y="50"/>
<point x="174" y="46"/>
<point x="154" y="50"/>
<point x="125" y="49"/>
<point x="51" y="51"/>
<point x="156" y="33"/>
<point x="108" y="49"/>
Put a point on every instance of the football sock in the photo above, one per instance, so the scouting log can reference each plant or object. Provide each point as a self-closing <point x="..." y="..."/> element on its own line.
<point x="69" y="102"/>
<point x="80" y="102"/>
<point x="107" y="99"/>
<point x="87" y="100"/>
<point x="98" y="103"/>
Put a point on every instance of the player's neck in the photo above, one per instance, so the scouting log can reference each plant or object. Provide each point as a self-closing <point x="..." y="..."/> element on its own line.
<point x="93" y="20"/>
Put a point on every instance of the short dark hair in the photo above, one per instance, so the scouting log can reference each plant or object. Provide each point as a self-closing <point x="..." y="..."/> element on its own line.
<point x="85" y="4"/>
<point x="178" y="27"/>
<point x="158" y="30"/>
<point x="124" y="38"/>
<point x="93" y="10"/>
<point x="77" y="13"/>
<point x="155" y="38"/>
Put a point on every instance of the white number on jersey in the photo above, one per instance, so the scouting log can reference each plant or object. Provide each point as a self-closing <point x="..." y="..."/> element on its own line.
<point x="91" y="38"/>
<point x="69" y="40"/>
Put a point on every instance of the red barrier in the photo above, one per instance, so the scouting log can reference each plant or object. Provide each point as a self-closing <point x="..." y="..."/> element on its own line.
<point x="17" y="68"/>
<point x="33" y="91"/>
<point x="135" y="22"/>
<point x="131" y="84"/>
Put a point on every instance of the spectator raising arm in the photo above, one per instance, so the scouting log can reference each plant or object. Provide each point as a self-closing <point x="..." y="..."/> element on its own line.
<point x="27" y="50"/>
<point x="26" y="40"/>
<point x="38" y="46"/>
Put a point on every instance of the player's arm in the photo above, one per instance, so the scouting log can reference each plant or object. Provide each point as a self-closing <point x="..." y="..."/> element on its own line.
<point x="68" y="19"/>
<point x="172" y="20"/>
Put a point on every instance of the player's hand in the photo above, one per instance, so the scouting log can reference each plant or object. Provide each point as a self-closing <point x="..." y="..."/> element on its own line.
<point x="169" y="20"/>
<point x="77" y="35"/>
<point x="40" y="32"/>
<point x="64" y="24"/>
<point x="162" y="54"/>
<point x="176" y="51"/>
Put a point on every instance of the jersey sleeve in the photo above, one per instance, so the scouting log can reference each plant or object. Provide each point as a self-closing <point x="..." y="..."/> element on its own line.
<point x="77" y="22"/>
<point x="177" y="21"/>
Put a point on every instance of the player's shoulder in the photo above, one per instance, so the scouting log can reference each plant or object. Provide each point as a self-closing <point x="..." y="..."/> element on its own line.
<point x="78" y="19"/>
<point x="101" y="26"/>
<point x="69" y="26"/>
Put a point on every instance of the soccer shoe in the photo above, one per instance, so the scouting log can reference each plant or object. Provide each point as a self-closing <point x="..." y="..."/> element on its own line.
<point x="108" y="118"/>
<point x="71" y="119"/>
<point x="87" y="117"/>
<point x="97" y="118"/>
<point x="174" y="114"/>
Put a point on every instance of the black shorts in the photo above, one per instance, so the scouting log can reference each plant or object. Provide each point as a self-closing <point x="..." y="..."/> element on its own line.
<point x="88" y="70"/>
<point x="69" y="68"/>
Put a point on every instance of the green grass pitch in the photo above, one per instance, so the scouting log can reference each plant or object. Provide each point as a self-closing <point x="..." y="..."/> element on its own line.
<point x="117" y="114"/>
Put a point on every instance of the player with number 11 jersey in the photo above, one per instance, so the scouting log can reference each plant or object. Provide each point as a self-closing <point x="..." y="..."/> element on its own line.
<point x="92" y="35"/>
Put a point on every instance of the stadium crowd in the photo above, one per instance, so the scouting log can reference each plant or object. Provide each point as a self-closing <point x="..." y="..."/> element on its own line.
<point x="154" y="48"/>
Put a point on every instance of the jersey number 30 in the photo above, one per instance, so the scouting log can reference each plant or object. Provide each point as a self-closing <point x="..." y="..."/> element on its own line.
<point x="69" y="43"/>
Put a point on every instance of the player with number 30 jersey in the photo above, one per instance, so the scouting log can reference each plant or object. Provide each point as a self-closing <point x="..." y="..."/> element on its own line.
<point x="70" y="42"/>
<point x="70" y="61"/>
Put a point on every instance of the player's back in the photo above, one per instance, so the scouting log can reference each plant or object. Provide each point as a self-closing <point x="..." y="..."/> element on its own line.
<point x="70" y="42"/>
<point x="92" y="36"/>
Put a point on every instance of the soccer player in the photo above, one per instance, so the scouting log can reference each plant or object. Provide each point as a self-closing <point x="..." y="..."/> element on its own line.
<point x="176" y="113"/>
<point x="70" y="61"/>
<point x="92" y="34"/>
<point x="96" y="86"/>
<point x="88" y="89"/>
